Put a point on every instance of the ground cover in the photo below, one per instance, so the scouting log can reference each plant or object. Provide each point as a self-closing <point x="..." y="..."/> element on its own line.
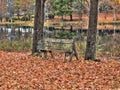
<point x="20" y="71"/>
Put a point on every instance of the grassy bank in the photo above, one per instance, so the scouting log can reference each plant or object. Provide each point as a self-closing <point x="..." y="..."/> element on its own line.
<point x="16" y="46"/>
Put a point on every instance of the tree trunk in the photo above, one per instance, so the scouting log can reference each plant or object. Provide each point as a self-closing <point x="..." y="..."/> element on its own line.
<point x="71" y="19"/>
<point x="71" y="28"/>
<point x="92" y="31"/>
<point x="62" y="17"/>
<point x="38" y="24"/>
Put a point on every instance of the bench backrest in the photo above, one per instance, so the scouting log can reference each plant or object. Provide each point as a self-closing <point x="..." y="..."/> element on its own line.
<point x="56" y="44"/>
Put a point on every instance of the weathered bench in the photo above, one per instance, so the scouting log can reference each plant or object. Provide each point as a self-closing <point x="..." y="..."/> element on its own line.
<point x="67" y="46"/>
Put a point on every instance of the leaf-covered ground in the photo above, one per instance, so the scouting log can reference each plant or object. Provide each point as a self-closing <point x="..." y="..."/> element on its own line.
<point x="23" y="72"/>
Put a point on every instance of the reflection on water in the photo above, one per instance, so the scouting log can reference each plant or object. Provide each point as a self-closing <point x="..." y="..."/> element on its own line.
<point x="13" y="33"/>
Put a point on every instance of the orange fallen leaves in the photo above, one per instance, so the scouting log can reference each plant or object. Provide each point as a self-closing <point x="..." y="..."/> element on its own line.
<point x="23" y="72"/>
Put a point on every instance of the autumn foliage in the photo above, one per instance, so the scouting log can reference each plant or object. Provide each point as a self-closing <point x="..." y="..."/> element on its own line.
<point x="20" y="71"/>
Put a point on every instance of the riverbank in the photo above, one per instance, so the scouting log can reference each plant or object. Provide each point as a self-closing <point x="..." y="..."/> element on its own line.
<point x="67" y="24"/>
<point x="22" y="23"/>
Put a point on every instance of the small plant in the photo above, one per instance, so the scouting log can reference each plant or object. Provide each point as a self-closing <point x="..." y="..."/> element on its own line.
<point x="80" y="47"/>
<point x="20" y="45"/>
<point x="65" y="34"/>
<point x="51" y="16"/>
<point x="109" y="45"/>
<point x="26" y="17"/>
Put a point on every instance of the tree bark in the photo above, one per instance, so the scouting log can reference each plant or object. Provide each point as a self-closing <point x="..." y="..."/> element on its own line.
<point x="38" y="24"/>
<point x="92" y="31"/>
<point x="71" y="19"/>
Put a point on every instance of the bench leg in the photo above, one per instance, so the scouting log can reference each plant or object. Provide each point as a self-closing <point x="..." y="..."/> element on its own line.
<point x="76" y="55"/>
<point x="51" y="54"/>
<point x="71" y="55"/>
<point x="45" y="54"/>
<point x="65" y="57"/>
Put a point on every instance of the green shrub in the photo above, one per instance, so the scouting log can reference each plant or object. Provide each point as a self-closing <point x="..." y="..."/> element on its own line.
<point x="65" y="34"/>
<point x="51" y="16"/>
<point x="80" y="47"/>
<point x="26" y="17"/>
<point x="109" y="44"/>
<point x="20" y="45"/>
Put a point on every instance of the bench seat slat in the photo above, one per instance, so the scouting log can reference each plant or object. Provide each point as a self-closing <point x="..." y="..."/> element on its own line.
<point x="58" y="40"/>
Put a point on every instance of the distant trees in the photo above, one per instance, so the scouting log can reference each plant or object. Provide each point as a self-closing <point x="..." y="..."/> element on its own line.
<point x="111" y="7"/>
<point x="9" y="8"/>
<point x="2" y="9"/>
<point x="115" y="4"/>
<point x="17" y="8"/>
<point x="81" y="7"/>
<point x="68" y="7"/>
<point x="62" y="7"/>
<point x="24" y="7"/>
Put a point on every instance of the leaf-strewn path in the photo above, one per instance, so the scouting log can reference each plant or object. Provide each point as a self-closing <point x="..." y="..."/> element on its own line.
<point x="22" y="72"/>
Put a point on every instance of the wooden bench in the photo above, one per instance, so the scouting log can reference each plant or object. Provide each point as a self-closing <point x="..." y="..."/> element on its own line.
<point x="67" y="46"/>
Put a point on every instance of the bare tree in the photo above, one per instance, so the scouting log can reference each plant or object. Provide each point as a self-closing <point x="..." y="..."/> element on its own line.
<point x="92" y="31"/>
<point x="2" y="9"/>
<point x="38" y="24"/>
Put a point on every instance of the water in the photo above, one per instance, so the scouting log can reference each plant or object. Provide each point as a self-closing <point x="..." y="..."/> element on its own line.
<point x="13" y="32"/>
